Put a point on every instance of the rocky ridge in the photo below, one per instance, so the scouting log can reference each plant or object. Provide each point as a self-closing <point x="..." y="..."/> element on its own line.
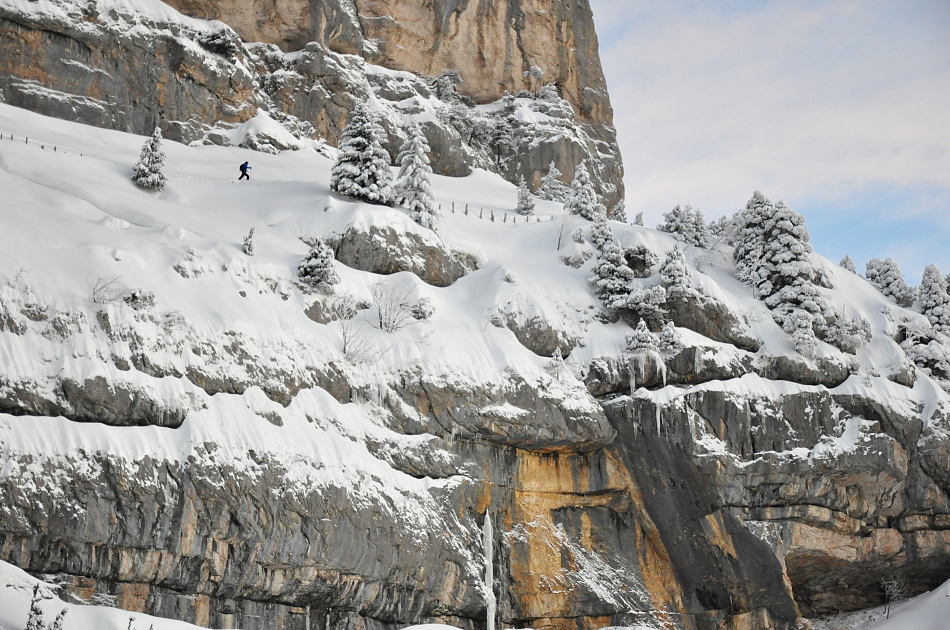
<point x="299" y="67"/>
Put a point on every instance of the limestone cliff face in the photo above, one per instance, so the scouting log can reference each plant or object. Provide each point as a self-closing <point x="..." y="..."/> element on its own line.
<point x="494" y="44"/>
<point x="134" y="72"/>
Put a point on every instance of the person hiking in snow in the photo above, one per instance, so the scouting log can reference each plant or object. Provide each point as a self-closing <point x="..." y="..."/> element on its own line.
<point x="245" y="172"/>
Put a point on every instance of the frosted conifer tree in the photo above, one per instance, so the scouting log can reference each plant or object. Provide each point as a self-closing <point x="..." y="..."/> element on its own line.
<point x="147" y="172"/>
<point x="317" y="268"/>
<point x="362" y="168"/>
<point x="638" y="219"/>
<point x="887" y="277"/>
<point x="525" y="200"/>
<point x="600" y="233"/>
<point x="751" y="235"/>
<point x="803" y="335"/>
<point x="552" y="189"/>
<point x="582" y="199"/>
<point x="669" y="339"/>
<point x="674" y="274"/>
<point x="413" y="188"/>
<point x="35" y="619"/>
<point x="934" y="299"/>
<point x="686" y="225"/>
<point x="612" y="276"/>
<point x="618" y="212"/>
<point x="58" y="622"/>
<point x="847" y="263"/>
<point x="248" y="246"/>
<point x="641" y="339"/>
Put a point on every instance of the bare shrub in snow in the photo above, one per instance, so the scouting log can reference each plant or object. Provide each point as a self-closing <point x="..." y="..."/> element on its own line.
<point x="147" y="172"/>
<point x="422" y="309"/>
<point x="395" y="307"/>
<point x="248" y="246"/>
<point x="106" y="289"/>
<point x="886" y="275"/>
<point x="355" y="343"/>
<point x="895" y="589"/>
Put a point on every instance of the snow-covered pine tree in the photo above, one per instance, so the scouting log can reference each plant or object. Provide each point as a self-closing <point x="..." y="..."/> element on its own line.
<point x="886" y="275"/>
<point x="58" y="622"/>
<point x="751" y="235"/>
<point x="618" y="212"/>
<point x="600" y="233"/>
<point x="525" y="199"/>
<point x="934" y="299"/>
<point x="669" y="339"/>
<point x="552" y="189"/>
<point x="803" y="334"/>
<point x="686" y="225"/>
<point x="35" y="619"/>
<point x="147" y="172"/>
<point x="503" y="140"/>
<point x="362" y="168"/>
<point x="641" y="339"/>
<point x="413" y="188"/>
<point x="847" y="263"/>
<point x="612" y="276"/>
<point x="582" y="199"/>
<point x="317" y="268"/>
<point x="785" y="278"/>
<point x="638" y="219"/>
<point x="674" y="274"/>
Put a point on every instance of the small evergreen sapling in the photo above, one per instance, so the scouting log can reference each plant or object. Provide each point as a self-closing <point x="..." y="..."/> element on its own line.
<point x="642" y="340"/>
<point x="317" y="268"/>
<point x="674" y="274"/>
<point x="413" y="187"/>
<point x="686" y="225"/>
<point x="612" y="276"/>
<point x="35" y="619"/>
<point x="934" y="299"/>
<point x="886" y="275"/>
<point x="58" y="622"/>
<point x="552" y="189"/>
<point x="669" y="340"/>
<point x="362" y="168"/>
<point x="147" y="172"/>
<point x="248" y="246"/>
<point x="525" y="200"/>
<point x="847" y="263"/>
<point x="638" y="219"/>
<point x="582" y="199"/>
<point x="618" y="212"/>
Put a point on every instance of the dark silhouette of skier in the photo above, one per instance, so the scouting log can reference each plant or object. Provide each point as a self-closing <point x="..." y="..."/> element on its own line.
<point x="245" y="172"/>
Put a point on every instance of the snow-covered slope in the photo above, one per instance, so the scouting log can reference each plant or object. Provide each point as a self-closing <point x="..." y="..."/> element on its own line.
<point x="214" y="455"/>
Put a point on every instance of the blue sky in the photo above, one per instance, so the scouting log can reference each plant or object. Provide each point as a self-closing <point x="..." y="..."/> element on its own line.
<point x="842" y="109"/>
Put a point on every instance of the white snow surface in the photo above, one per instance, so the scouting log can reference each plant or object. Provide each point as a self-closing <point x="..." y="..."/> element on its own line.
<point x="930" y="611"/>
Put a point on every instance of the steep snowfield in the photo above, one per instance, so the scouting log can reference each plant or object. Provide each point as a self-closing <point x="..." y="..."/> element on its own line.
<point x="70" y="217"/>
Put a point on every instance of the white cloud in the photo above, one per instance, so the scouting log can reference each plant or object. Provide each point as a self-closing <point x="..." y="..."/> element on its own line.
<point x="802" y="100"/>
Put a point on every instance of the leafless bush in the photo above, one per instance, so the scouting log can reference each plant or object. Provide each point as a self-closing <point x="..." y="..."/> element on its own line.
<point x="106" y="289"/>
<point x="895" y="588"/>
<point x="395" y="307"/>
<point x="355" y="343"/>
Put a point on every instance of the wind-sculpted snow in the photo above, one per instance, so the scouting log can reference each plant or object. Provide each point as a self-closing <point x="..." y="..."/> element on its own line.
<point x="190" y="431"/>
